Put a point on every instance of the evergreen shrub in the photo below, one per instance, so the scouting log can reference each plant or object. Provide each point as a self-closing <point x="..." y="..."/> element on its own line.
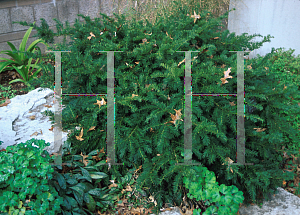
<point x="284" y="62"/>
<point x="149" y="92"/>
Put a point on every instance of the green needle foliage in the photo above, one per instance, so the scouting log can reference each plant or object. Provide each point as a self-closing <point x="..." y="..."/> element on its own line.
<point x="149" y="86"/>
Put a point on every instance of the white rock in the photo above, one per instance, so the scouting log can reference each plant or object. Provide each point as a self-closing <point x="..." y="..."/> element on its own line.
<point x="16" y="126"/>
<point x="282" y="203"/>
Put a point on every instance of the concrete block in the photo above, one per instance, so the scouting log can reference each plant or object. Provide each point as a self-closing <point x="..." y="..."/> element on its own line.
<point x="45" y="11"/>
<point x="108" y="7"/>
<point x="21" y="14"/>
<point x="27" y="2"/>
<point x="67" y="10"/>
<point x="46" y="1"/>
<point x="7" y="4"/>
<point x="5" y="21"/>
<point x="89" y="8"/>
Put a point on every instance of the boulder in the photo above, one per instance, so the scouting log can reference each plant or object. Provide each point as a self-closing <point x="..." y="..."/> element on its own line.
<point x="281" y="203"/>
<point x="21" y="119"/>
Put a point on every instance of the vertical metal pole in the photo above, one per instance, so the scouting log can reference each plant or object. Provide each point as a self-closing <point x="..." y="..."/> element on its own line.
<point x="57" y="107"/>
<point x="111" y="110"/>
<point x="240" y="155"/>
<point x="188" y="112"/>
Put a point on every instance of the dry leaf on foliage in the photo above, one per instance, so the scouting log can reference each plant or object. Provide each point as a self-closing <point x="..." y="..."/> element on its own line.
<point x="284" y="87"/>
<point x="144" y="41"/>
<point x="102" y="102"/>
<point x="113" y="184"/>
<point x="176" y="117"/>
<point x="227" y="162"/>
<point x="92" y="128"/>
<point x="284" y="182"/>
<point x="152" y="200"/>
<point x="92" y="35"/>
<point x="267" y="68"/>
<point x="195" y="16"/>
<point x="184" y="60"/>
<point x="147" y="33"/>
<point x="96" y="157"/>
<point x="147" y="85"/>
<point x="84" y="159"/>
<point x="226" y="75"/>
<point x="168" y="35"/>
<point x="259" y="129"/>
<point x="80" y="135"/>
<point x="129" y="66"/>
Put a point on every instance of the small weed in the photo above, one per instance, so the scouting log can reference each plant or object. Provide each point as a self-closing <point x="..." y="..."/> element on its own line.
<point x="6" y="92"/>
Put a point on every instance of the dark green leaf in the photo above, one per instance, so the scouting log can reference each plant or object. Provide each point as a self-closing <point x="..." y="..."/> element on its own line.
<point x="72" y="181"/>
<point x="86" y="174"/>
<point x="61" y="180"/>
<point x="78" y="197"/>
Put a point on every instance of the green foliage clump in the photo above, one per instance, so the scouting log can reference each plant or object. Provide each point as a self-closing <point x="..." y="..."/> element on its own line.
<point x="79" y="182"/>
<point x="24" y="175"/>
<point x="76" y="182"/>
<point x="281" y="63"/>
<point x="149" y="86"/>
<point x="202" y="185"/>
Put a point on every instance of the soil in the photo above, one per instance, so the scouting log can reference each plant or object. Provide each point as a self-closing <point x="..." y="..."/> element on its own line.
<point x="20" y="87"/>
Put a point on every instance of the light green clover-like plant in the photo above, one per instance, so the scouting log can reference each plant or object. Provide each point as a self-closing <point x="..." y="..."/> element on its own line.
<point x="24" y="175"/>
<point x="222" y="199"/>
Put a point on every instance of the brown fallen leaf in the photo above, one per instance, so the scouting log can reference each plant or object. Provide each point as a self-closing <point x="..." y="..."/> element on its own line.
<point x="7" y="101"/>
<point x="260" y="129"/>
<point x="36" y="133"/>
<point x="47" y="106"/>
<point x="80" y="135"/>
<point x="32" y="117"/>
<point x="232" y="103"/>
<point x="102" y="102"/>
<point x="92" y="128"/>
<point x="176" y="117"/>
<point x="226" y="75"/>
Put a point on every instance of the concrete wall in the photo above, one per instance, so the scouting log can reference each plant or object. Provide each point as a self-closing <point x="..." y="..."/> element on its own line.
<point x="63" y="10"/>
<point x="279" y="18"/>
<point x="276" y="17"/>
<point x="33" y="10"/>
